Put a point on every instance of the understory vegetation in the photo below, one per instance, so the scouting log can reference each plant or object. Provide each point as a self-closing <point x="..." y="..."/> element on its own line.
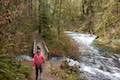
<point x="65" y="72"/>
<point x="12" y="70"/>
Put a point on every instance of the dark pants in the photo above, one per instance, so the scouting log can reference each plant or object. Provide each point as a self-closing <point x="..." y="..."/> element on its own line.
<point x="38" y="70"/>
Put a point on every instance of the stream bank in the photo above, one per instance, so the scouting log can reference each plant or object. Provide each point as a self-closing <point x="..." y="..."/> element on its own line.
<point x="113" y="45"/>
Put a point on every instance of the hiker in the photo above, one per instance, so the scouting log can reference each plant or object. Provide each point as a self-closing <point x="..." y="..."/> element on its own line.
<point x="38" y="60"/>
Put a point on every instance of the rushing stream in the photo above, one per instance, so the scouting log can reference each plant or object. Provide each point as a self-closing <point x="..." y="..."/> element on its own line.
<point x="96" y="63"/>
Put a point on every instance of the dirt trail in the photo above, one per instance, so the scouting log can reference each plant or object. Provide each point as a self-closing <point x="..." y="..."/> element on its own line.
<point x="48" y="64"/>
<point x="47" y="67"/>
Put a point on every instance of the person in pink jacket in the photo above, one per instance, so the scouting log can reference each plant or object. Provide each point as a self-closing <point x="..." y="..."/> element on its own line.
<point x="38" y="60"/>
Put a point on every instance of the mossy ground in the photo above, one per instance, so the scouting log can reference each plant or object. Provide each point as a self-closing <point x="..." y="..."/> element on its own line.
<point x="11" y="70"/>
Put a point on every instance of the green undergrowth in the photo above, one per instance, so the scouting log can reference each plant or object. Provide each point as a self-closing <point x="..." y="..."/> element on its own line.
<point x="11" y="70"/>
<point x="65" y="72"/>
<point x="62" y="46"/>
<point x="113" y="45"/>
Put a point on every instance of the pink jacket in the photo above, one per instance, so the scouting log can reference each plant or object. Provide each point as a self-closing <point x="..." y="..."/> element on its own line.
<point x="38" y="59"/>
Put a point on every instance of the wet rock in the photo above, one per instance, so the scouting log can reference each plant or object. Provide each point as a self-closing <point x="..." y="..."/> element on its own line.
<point x="24" y="58"/>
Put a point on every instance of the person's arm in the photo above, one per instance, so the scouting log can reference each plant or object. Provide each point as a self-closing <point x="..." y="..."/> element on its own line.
<point x="33" y="62"/>
<point x="43" y="58"/>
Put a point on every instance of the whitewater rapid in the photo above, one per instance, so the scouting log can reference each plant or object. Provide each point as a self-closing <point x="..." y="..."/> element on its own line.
<point x="93" y="62"/>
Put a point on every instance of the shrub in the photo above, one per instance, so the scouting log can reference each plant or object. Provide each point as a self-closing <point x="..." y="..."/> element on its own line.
<point x="9" y="69"/>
